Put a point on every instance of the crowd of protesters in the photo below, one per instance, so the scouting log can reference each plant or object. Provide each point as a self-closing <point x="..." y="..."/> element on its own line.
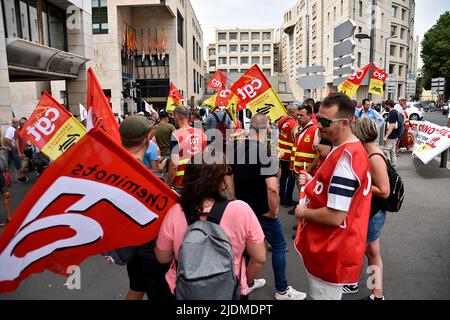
<point x="325" y="151"/>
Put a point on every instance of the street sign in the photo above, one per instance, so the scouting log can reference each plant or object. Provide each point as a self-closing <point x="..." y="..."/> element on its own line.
<point x="311" y="77"/>
<point x="316" y="81"/>
<point x="344" y="30"/>
<point x="343" y="50"/>
<point x="312" y="69"/>
<point x="343" y="61"/>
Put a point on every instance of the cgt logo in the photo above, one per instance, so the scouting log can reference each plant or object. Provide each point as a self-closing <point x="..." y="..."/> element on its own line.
<point x="87" y="230"/>
<point x="249" y="90"/>
<point x="45" y="125"/>
<point x="225" y="93"/>
<point x="379" y="75"/>
<point x="216" y="83"/>
<point x="358" y="74"/>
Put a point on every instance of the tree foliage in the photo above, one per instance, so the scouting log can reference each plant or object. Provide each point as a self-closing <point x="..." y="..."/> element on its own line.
<point x="436" y="52"/>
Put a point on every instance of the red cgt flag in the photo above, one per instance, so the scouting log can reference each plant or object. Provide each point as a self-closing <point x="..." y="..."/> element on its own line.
<point x="98" y="108"/>
<point x="218" y="81"/>
<point x="94" y="198"/>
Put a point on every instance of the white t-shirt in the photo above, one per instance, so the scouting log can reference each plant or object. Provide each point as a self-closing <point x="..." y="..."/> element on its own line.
<point x="9" y="134"/>
<point x="398" y="108"/>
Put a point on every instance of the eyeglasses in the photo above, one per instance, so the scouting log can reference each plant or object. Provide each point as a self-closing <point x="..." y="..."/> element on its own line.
<point x="327" y="122"/>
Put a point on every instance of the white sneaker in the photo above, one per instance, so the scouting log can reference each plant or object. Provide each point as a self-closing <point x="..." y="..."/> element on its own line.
<point x="290" y="294"/>
<point x="257" y="283"/>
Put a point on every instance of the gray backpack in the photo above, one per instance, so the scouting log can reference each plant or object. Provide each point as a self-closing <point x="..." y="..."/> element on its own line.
<point x="205" y="266"/>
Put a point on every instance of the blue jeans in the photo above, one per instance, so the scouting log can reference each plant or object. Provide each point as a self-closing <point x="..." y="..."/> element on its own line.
<point x="16" y="159"/>
<point x="274" y="235"/>
<point x="287" y="181"/>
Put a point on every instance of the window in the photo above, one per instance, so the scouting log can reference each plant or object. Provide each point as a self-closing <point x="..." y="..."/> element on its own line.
<point x="212" y="52"/>
<point x="360" y="8"/>
<point x="234" y="61"/>
<point x="244" y="71"/>
<point x="234" y="71"/>
<point x="222" y="49"/>
<point x="359" y="59"/>
<point x="282" y="87"/>
<point x="402" y="50"/>
<point x="266" y="48"/>
<point x="266" y="36"/>
<point x="400" y="71"/>
<point x="233" y="48"/>
<point x="24" y="19"/>
<point x="393" y="30"/>
<point x="255" y="48"/>
<point x="255" y="60"/>
<point x="402" y="33"/>
<point x="403" y="14"/>
<point x="99" y="17"/>
<point x="212" y="63"/>
<point x="233" y="35"/>
<point x="222" y="61"/>
<point x="244" y="60"/>
<point x="57" y="23"/>
<point x="244" y="48"/>
<point x="334" y="13"/>
<point x="359" y="31"/>
<point x="393" y="49"/>
<point x="267" y="72"/>
<point x="180" y="26"/>
<point x="391" y="68"/>
<point x="394" y="11"/>
<point x="34" y="28"/>
<point x="244" y="36"/>
<point x="266" y="60"/>
<point x="256" y="36"/>
<point x="342" y="7"/>
<point x="222" y="36"/>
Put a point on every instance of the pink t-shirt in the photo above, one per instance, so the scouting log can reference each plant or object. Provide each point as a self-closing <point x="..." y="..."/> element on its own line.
<point x="239" y="223"/>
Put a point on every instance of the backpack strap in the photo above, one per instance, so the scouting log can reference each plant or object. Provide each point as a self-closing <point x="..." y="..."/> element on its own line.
<point x="216" y="213"/>
<point x="216" y="117"/>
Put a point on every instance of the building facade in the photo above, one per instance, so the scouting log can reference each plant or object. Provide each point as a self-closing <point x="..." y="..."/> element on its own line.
<point x="308" y="39"/>
<point x="45" y="45"/>
<point x="236" y="50"/>
<point x="130" y="79"/>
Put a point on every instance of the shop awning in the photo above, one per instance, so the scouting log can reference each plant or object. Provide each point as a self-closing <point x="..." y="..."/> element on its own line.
<point x="28" y="61"/>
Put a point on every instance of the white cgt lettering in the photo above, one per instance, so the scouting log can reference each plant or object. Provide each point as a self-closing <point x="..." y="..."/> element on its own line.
<point x="87" y="229"/>
<point x="249" y="90"/>
<point x="44" y="125"/>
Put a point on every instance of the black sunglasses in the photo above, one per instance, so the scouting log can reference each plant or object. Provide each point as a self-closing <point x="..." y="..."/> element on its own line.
<point x="229" y="171"/>
<point x="327" y="122"/>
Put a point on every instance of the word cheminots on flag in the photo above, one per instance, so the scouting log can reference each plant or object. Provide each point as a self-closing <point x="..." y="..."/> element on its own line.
<point x="376" y="81"/>
<point x="352" y="83"/>
<point x="99" y="111"/>
<point x="174" y="99"/>
<point x="256" y="93"/>
<point x="218" y="81"/>
<point x="94" y="198"/>
<point x="51" y="128"/>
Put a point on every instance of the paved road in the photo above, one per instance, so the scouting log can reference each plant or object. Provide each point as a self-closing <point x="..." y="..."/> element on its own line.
<point x="414" y="243"/>
<point x="436" y="117"/>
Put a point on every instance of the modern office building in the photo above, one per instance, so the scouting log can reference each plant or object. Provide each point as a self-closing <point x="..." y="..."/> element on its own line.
<point x="308" y="39"/>
<point x="236" y="50"/>
<point x="45" y="45"/>
<point x="127" y="79"/>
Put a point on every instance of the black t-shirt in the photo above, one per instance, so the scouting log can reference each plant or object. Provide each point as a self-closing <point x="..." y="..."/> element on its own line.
<point x="252" y="163"/>
<point x="393" y="118"/>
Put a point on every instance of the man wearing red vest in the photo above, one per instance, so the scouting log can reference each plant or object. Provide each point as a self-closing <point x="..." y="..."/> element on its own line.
<point x="185" y="143"/>
<point x="332" y="230"/>
<point x="285" y="145"/>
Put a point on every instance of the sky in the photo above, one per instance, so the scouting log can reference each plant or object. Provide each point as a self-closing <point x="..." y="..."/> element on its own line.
<point x="269" y="14"/>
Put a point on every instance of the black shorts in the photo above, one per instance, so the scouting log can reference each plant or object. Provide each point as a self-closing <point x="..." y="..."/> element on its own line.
<point x="147" y="275"/>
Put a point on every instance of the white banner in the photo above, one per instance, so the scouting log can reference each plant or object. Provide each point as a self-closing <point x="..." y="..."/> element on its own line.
<point x="430" y="140"/>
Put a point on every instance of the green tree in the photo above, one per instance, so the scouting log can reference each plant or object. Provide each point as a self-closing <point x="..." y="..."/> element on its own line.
<point x="436" y="53"/>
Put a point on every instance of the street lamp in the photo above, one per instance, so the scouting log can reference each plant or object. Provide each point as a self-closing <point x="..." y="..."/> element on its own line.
<point x="371" y="37"/>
